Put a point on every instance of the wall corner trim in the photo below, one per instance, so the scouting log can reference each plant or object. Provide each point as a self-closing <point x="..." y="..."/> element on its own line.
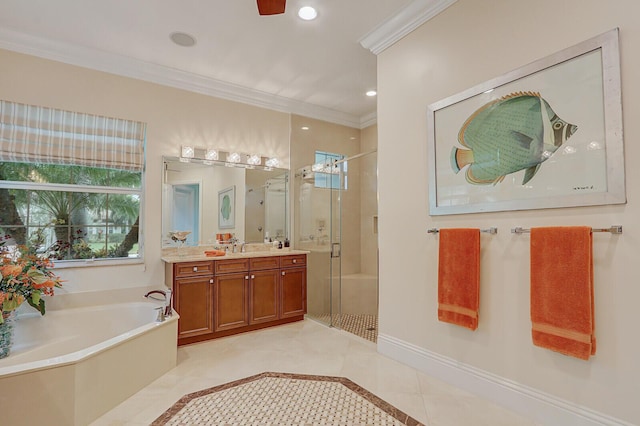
<point x="399" y="25"/>
<point x="529" y="402"/>
<point x="368" y="120"/>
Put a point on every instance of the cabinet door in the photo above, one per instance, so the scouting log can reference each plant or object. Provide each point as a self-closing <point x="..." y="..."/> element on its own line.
<point x="293" y="292"/>
<point x="192" y="300"/>
<point x="231" y="301"/>
<point x="263" y="303"/>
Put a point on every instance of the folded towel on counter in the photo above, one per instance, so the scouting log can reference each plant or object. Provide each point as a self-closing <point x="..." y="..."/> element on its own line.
<point x="562" y="290"/>
<point x="213" y="253"/>
<point x="459" y="277"/>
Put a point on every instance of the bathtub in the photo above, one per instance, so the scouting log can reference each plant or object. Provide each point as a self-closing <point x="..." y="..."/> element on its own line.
<point x="73" y="365"/>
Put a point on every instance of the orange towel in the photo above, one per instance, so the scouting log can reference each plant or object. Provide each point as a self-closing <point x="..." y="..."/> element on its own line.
<point x="213" y="253"/>
<point x="562" y="290"/>
<point x="459" y="277"/>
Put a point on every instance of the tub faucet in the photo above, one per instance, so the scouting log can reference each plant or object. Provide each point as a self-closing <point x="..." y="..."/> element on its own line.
<point x="167" y="311"/>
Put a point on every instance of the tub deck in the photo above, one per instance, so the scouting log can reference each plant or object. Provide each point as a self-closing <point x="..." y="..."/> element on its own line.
<point x="77" y="364"/>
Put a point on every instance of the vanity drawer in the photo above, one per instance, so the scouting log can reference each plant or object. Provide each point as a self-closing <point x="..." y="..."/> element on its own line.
<point x="190" y="269"/>
<point x="231" y="265"/>
<point x="262" y="263"/>
<point x="293" y="260"/>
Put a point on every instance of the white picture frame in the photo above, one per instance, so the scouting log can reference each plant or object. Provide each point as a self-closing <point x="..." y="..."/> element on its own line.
<point x="582" y="85"/>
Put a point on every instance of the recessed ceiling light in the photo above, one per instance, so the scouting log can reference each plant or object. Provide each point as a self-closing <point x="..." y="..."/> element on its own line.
<point x="182" y="39"/>
<point x="307" y="13"/>
<point x="371" y="93"/>
<point x="304" y="128"/>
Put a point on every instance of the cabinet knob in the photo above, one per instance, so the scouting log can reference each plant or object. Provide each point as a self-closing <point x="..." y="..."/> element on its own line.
<point x="295" y="260"/>
<point x="195" y="269"/>
<point x="211" y="281"/>
<point x="246" y="277"/>
<point x="253" y="276"/>
<point x="282" y="272"/>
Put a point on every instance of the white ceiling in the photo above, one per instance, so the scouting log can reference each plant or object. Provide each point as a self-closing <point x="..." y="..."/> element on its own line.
<point x="317" y="68"/>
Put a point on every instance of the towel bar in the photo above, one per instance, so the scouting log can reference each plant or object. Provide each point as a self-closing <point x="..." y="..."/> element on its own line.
<point x="492" y="230"/>
<point x="614" y="229"/>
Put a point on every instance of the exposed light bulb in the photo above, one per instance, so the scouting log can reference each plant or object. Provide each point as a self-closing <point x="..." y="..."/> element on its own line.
<point x="272" y="162"/>
<point x="233" y="157"/>
<point x="212" y="154"/>
<point x="254" y="159"/>
<point x="187" y="151"/>
<point x="371" y="93"/>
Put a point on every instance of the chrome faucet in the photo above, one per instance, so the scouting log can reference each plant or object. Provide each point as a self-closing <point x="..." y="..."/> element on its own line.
<point x="166" y="311"/>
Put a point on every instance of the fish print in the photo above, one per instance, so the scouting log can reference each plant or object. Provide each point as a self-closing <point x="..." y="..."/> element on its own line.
<point x="516" y="132"/>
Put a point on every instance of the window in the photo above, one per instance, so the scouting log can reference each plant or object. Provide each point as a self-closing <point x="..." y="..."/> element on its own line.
<point x="327" y="172"/>
<point x="70" y="183"/>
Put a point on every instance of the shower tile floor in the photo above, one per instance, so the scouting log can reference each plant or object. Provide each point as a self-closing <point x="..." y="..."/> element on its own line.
<point x="365" y="326"/>
<point x="307" y="347"/>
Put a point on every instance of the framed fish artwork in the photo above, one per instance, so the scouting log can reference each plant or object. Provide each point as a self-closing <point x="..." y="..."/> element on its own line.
<point x="227" y="208"/>
<point x="546" y="135"/>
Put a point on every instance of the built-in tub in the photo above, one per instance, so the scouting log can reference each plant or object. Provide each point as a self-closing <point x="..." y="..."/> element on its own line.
<point x="73" y="365"/>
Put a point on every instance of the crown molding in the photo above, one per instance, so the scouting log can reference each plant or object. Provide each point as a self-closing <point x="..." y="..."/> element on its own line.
<point x="399" y="25"/>
<point x="368" y="120"/>
<point x="133" y="68"/>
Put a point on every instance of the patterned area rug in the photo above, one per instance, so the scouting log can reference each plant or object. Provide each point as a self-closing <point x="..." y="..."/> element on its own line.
<point x="284" y="399"/>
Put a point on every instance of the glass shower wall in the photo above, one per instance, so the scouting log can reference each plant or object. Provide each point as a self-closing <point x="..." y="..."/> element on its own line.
<point x="338" y="225"/>
<point x="315" y="205"/>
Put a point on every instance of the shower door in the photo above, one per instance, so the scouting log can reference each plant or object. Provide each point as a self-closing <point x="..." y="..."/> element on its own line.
<point x="315" y="232"/>
<point x="337" y="223"/>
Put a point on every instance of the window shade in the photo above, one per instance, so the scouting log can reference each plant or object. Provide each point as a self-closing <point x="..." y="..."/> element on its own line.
<point x="37" y="134"/>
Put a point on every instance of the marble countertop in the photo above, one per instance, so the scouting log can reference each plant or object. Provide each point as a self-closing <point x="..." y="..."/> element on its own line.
<point x="201" y="256"/>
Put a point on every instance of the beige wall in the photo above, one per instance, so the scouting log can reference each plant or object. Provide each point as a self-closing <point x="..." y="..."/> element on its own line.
<point x="471" y="42"/>
<point x="173" y="117"/>
<point x="369" y="202"/>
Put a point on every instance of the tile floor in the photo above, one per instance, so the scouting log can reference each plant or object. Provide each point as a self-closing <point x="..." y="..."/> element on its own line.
<point x="365" y="326"/>
<point x="307" y="347"/>
<point x="285" y="399"/>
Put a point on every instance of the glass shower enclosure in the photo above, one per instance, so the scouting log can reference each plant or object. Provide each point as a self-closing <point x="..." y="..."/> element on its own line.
<point x="337" y="223"/>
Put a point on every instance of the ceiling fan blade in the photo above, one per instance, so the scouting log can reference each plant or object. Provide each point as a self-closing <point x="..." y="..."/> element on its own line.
<point x="271" y="7"/>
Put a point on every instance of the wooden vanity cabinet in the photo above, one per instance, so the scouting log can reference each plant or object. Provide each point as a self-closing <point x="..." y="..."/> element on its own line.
<point x="231" y="293"/>
<point x="192" y="297"/>
<point x="264" y="291"/>
<point x="293" y="286"/>
<point x="218" y="298"/>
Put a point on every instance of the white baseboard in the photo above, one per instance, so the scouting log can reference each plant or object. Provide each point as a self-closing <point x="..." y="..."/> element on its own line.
<point x="529" y="402"/>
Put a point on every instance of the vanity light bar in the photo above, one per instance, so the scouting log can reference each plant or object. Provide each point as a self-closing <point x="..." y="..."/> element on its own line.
<point x="235" y="158"/>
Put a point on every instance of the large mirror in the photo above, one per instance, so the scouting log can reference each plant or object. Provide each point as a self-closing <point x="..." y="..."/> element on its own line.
<point x="210" y="199"/>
